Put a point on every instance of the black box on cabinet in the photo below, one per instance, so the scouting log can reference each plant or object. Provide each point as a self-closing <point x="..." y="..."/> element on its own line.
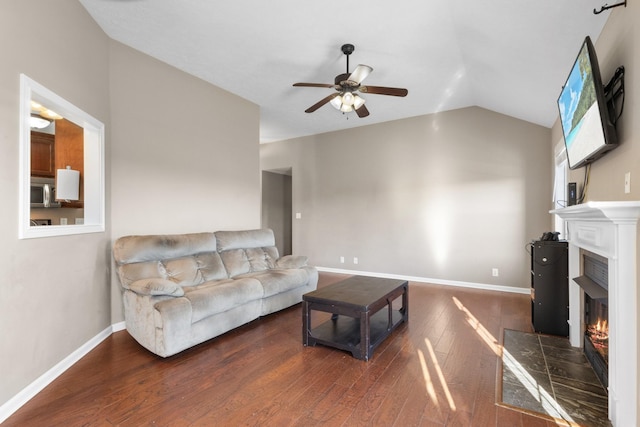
<point x="550" y="287"/>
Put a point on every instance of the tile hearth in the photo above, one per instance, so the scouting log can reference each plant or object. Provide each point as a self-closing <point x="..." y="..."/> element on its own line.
<point x="545" y="374"/>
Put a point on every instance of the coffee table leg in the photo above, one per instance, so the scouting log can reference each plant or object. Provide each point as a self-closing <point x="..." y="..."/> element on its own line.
<point x="306" y="320"/>
<point x="405" y="304"/>
<point x="365" y="336"/>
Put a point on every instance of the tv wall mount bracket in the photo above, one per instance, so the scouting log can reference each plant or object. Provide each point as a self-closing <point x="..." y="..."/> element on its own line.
<point x="614" y="95"/>
<point x="607" y="7"/>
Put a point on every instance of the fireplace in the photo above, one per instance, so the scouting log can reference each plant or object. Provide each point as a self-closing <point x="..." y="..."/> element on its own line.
<point x="596" y="338"/>
<point x="595" y="284"/>
<point x="608" y="230"/>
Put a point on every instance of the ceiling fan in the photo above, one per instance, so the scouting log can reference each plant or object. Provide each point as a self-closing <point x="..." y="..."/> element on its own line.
<point x="346" y="99"/>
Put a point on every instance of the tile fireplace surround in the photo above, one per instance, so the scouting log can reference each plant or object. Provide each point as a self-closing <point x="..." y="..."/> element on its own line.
<point x="609" y="229"/>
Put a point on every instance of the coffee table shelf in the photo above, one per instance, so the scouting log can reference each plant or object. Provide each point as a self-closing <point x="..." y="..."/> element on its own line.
<point x="344" y="332"/>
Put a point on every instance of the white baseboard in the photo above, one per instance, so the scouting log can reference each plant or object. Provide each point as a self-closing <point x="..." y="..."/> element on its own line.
<point x="16" y="402"/>
<point x="485" y="286"/>
<point x="120" y="326"/>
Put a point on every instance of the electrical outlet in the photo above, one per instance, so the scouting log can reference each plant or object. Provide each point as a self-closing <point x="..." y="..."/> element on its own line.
<point x="627" y="182"/>
<point x="341" y="260"/>
<point x="298" y="215"/>
<point x="355" y="260"/>
<point x="495" y="272"/>
<point x="63" y="221"/>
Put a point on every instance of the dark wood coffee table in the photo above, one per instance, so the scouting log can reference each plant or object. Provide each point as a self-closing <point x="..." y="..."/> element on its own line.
<point x="358" y="324"/>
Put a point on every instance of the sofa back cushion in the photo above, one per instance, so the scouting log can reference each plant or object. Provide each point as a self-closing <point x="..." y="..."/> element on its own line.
<point x="186" y="259"/>
<point x="129" y="249"/>
<point x="247" y="251"/>
<point x="195" y="269"/>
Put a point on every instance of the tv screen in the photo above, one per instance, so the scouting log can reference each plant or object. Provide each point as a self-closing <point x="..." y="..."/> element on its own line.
<point x="584" y="115"/>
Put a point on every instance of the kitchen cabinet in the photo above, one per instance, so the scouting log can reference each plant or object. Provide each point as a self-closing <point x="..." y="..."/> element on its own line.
<point x="43" y="155"/>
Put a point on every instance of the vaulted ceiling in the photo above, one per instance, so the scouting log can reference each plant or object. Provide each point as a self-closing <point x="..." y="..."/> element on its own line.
<point x="508" y="56"/>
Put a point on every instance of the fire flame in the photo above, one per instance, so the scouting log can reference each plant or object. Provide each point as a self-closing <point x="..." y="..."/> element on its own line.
<point x="599" y="332"/>
<point x="602" y="326"/>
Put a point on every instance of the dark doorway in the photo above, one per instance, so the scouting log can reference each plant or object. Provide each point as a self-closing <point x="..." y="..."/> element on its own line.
<point x="277" y="207"/>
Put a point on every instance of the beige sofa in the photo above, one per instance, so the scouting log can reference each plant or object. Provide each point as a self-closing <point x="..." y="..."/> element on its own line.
<point x="181" y="290"/>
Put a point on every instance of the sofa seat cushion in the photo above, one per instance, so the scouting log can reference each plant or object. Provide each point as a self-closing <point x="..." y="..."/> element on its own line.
<point x="277" y="281"/>
<point x="211" y="298"/>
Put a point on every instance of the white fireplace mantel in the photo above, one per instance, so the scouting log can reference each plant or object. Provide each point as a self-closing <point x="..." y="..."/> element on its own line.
<point x="609" y="229"/>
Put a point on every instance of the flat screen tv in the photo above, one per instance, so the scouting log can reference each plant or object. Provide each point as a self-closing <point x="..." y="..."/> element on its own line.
<point x="588" y="129"/>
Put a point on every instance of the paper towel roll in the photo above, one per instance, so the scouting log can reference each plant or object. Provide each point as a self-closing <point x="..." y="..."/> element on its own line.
<point x="67" y="184"/>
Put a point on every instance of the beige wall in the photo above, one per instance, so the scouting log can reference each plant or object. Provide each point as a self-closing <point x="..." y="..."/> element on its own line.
<point x="54" y="292"/>
<point x="181" y="156"/>
<point x="446" y="196"/>
<point x="184" y="153"/>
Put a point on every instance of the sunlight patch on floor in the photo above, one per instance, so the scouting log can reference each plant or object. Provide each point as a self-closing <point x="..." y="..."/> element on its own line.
<point x="427" y="376"/>
<point x="436" y="366"/>
<point x="427" y="379"/>
<point x="547" y="401"/>
<point x="482" y="332"/>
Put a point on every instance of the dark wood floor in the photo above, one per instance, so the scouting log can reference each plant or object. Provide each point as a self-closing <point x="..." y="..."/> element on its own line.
<point x="439" y="370"/>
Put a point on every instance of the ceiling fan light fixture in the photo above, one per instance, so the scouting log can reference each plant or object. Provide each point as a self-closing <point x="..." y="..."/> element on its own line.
<point x="337" y="102"/>
<point x="347" y="102"/>
<point x="348" y="99"/>
<point x="357" y="102"/>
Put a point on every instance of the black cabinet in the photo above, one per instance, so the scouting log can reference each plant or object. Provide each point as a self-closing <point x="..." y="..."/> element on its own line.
<point x="550" y="287"/>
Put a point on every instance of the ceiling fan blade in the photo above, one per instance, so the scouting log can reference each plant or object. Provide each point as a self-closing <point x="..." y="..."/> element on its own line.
<point x="360" y="73"/>
<point x="314" y="85"/>
<point x="381" y="90"/>
<point x="320" y="103"/>
<point x="362" y="111"/>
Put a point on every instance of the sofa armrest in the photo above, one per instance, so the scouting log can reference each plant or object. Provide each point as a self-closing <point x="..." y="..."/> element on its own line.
<point x="156" y="286"/>
<point x="291" y="261"/>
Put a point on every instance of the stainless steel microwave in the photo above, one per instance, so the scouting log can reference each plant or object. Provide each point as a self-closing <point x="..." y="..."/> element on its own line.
<point x="43" y="193"/>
